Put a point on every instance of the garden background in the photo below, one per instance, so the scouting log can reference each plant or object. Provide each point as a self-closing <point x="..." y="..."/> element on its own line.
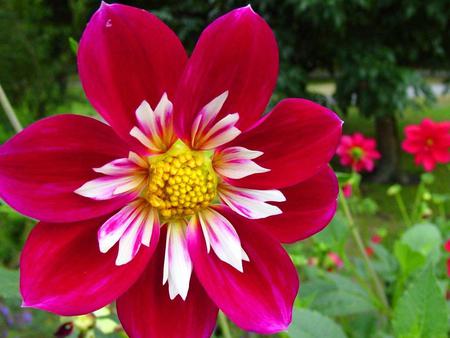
<point x="380" y="268"/>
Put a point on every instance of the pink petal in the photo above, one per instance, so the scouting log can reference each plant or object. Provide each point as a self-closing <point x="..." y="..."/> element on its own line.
<point x="147" y="311"/>
<point x="297" y="138"/>
<point x="260" y="299"/>
<point x="63" y="271"/>
<point x="309" y="207"/>
<point x="237" y="53"/>
<point x="126" y="56"/>
<point x="42" y="166"/>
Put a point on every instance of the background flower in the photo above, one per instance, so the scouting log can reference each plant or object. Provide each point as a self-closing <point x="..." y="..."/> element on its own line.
<point x="429" y="142"/>
<point x="358" y="152"/>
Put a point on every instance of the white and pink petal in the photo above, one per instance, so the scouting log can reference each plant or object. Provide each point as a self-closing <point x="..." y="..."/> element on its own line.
<point x="155" y="127"/>
<point x="207" y="134"/>
<point x="177" y="262"/>
<point x="251" y="203"/>
<point x="135" y="224"/>
<point x="220" y="234"/>
<point x="236" y="162"/>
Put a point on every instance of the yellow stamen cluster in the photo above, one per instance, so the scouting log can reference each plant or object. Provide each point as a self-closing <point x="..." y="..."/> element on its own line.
<point x="181" y="184"/>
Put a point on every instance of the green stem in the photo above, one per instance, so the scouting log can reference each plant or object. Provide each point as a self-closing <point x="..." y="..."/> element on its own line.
<point x="379" y="289"/>
<point x="403" y="211"/>
<point x="223" y="323"/>
<point x="12" y="117"/>
<point x="415" y="209"/>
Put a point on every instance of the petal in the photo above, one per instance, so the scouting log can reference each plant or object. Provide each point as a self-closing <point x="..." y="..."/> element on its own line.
<point x="108" y="187"/>
<point x="236" y="162"/>
<point x="309" y="207"/>
<point x="63" y="271"/>
<point x="126" y="56"/>
<point x="237" y="53"/>
<point x="177" y="262"/>
<point x="42" y="166"/>
<point x="297" y="138"/>
<point x="261" y="298"/>
<point x="221" y="235"/>
<point x="133" y="225"/>
<point x="155" y="127"/>
<point x="250" y="203"/>
<point x="147" y="311"/>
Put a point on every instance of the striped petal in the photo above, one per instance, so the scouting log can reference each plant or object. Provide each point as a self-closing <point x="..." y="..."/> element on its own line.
<point x="155" y="127"/>
<point x="177" y="262"/>
<point x="236" y="162"/>
<point x="135" y="224"/>
<point x="206" y="134"/>
<point x="220" y="234"/>
<point x="251" y="203"/>
<point x="122" y="176"/>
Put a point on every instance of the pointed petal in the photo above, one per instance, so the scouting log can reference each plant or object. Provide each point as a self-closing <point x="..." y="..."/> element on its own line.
<point x="251" y="203"/>
<point x="147" y="311"/>
<point x="42" y="166"/>
<point x="237" y="53"/>
<point x="309" y="207"/>
<point x="222" y="236"/>
<point x="236" y="162"/>
<point x="298" y="137"/>
<point x="126" y="56"/>
<point x="177" y="262"/>
<point x="261" y="298"/>
<point x="63" y="271"/>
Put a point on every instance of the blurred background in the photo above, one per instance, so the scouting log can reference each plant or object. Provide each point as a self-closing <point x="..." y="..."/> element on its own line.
<point x="381" y="65"/>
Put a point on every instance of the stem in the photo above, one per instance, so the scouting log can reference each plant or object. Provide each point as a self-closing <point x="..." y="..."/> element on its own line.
<point x="415" y="209"/>
<point x="223" y="323"/>
<point x="379" y="289"/>
<point x="403" y="212"/>
<point x="12" y="117"/>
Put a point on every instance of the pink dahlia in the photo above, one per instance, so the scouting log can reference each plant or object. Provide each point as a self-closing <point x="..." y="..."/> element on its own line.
<point x="358" y="152"/>
<point x="429" y="142"/>
<point x="176" y="207"/>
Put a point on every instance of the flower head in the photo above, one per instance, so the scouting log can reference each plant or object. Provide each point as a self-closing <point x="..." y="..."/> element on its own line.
<point x="178" y="206"/>
<point x="429" y="142"/>
<point x="358" y="152"/>
<point x="335" y="261"/>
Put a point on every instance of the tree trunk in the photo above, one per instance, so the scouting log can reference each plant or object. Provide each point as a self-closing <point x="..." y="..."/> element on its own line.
<point x="388" y="145"/>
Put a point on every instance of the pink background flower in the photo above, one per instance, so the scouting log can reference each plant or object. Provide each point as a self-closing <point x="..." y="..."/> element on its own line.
<point x="358" y="152"/>
<point x="429" y="142"/>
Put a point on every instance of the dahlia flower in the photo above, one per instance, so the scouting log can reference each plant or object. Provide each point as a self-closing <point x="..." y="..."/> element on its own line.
<point x="176" y="207"/>
<point x="358" y="152"/>
<point x="429" y="142"/>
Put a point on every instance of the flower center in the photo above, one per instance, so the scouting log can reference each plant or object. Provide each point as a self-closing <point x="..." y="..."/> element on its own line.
<point x="430" y="142"/>
<point x="357" y="153"/>
<point x="181" y="181"/>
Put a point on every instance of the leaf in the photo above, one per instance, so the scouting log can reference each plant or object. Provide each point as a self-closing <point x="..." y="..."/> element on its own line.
<point x="73" y="45"/>
<point x="408" y="259"/>
<point x="311" y="324"/>
<point x="337" y="296"/>
<point x="9" y="282"/>
<point x="421" y="310"/>
<point x="335" y="234"/>
<point x="424" y="238"/>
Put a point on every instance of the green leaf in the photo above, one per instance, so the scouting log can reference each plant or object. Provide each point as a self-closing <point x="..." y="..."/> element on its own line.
<point x="73" y="45"/>
<point x="312" y="324"/>
<point x="337" y="296"/>
<point x="422" y="310"/>
<point x="424" y="238"/>
<point x="9" y="282"/>
<point x="408" y="259"/>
